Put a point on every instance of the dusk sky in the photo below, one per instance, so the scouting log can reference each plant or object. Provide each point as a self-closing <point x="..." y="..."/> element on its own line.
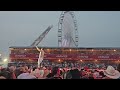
<point x="21" y="28"/>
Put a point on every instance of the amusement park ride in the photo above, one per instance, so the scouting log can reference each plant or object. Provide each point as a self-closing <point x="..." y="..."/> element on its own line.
<point x="67" y="31"/>
<point x="40" y="38"/>
<point x="67" y="45"/>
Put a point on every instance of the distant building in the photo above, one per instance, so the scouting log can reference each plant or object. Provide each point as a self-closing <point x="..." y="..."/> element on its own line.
<point x="30" y="54"/>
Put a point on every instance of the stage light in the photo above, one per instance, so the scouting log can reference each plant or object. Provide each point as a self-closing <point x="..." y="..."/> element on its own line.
<point x="5" y="60"/>
<point x="114" y="50"/>
<point x="25" y="49"/>
<point x="81" y="60"/>
<point x="59" y="60"/>
<point x="96" y="60"/>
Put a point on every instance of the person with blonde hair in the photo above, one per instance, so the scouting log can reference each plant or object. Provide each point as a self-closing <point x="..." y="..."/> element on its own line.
<point x="41" y="56"/>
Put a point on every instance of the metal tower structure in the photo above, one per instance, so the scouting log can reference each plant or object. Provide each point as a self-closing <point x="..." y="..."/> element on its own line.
<point x="40" y="38"/>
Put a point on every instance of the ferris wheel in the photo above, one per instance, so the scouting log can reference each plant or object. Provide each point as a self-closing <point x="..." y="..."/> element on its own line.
<point x="67" y="30"/>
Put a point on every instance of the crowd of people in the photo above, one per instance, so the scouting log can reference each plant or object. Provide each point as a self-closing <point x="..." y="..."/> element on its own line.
<point x="66" y="70"/>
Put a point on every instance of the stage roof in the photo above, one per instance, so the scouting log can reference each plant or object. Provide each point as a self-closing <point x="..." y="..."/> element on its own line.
<point x="28" y="47"/>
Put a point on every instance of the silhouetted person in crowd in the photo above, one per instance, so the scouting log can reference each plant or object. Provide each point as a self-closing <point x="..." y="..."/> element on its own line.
<point x="5" y="74"/>
<point x="55" y="74"/>
<point x="118" y="67"/>
<point x="75" y="74"/>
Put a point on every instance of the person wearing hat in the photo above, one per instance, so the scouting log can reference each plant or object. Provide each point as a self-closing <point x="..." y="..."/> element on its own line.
<point x="2" y="77"/>
<point x="111" y="73"/>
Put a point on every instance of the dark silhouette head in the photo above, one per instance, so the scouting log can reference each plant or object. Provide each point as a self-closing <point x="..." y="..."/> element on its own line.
<point x="6" y="74"/>
<point x="54" y="70"/>
<point x="118" y="67"/>
<point x="75" y="74"/>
